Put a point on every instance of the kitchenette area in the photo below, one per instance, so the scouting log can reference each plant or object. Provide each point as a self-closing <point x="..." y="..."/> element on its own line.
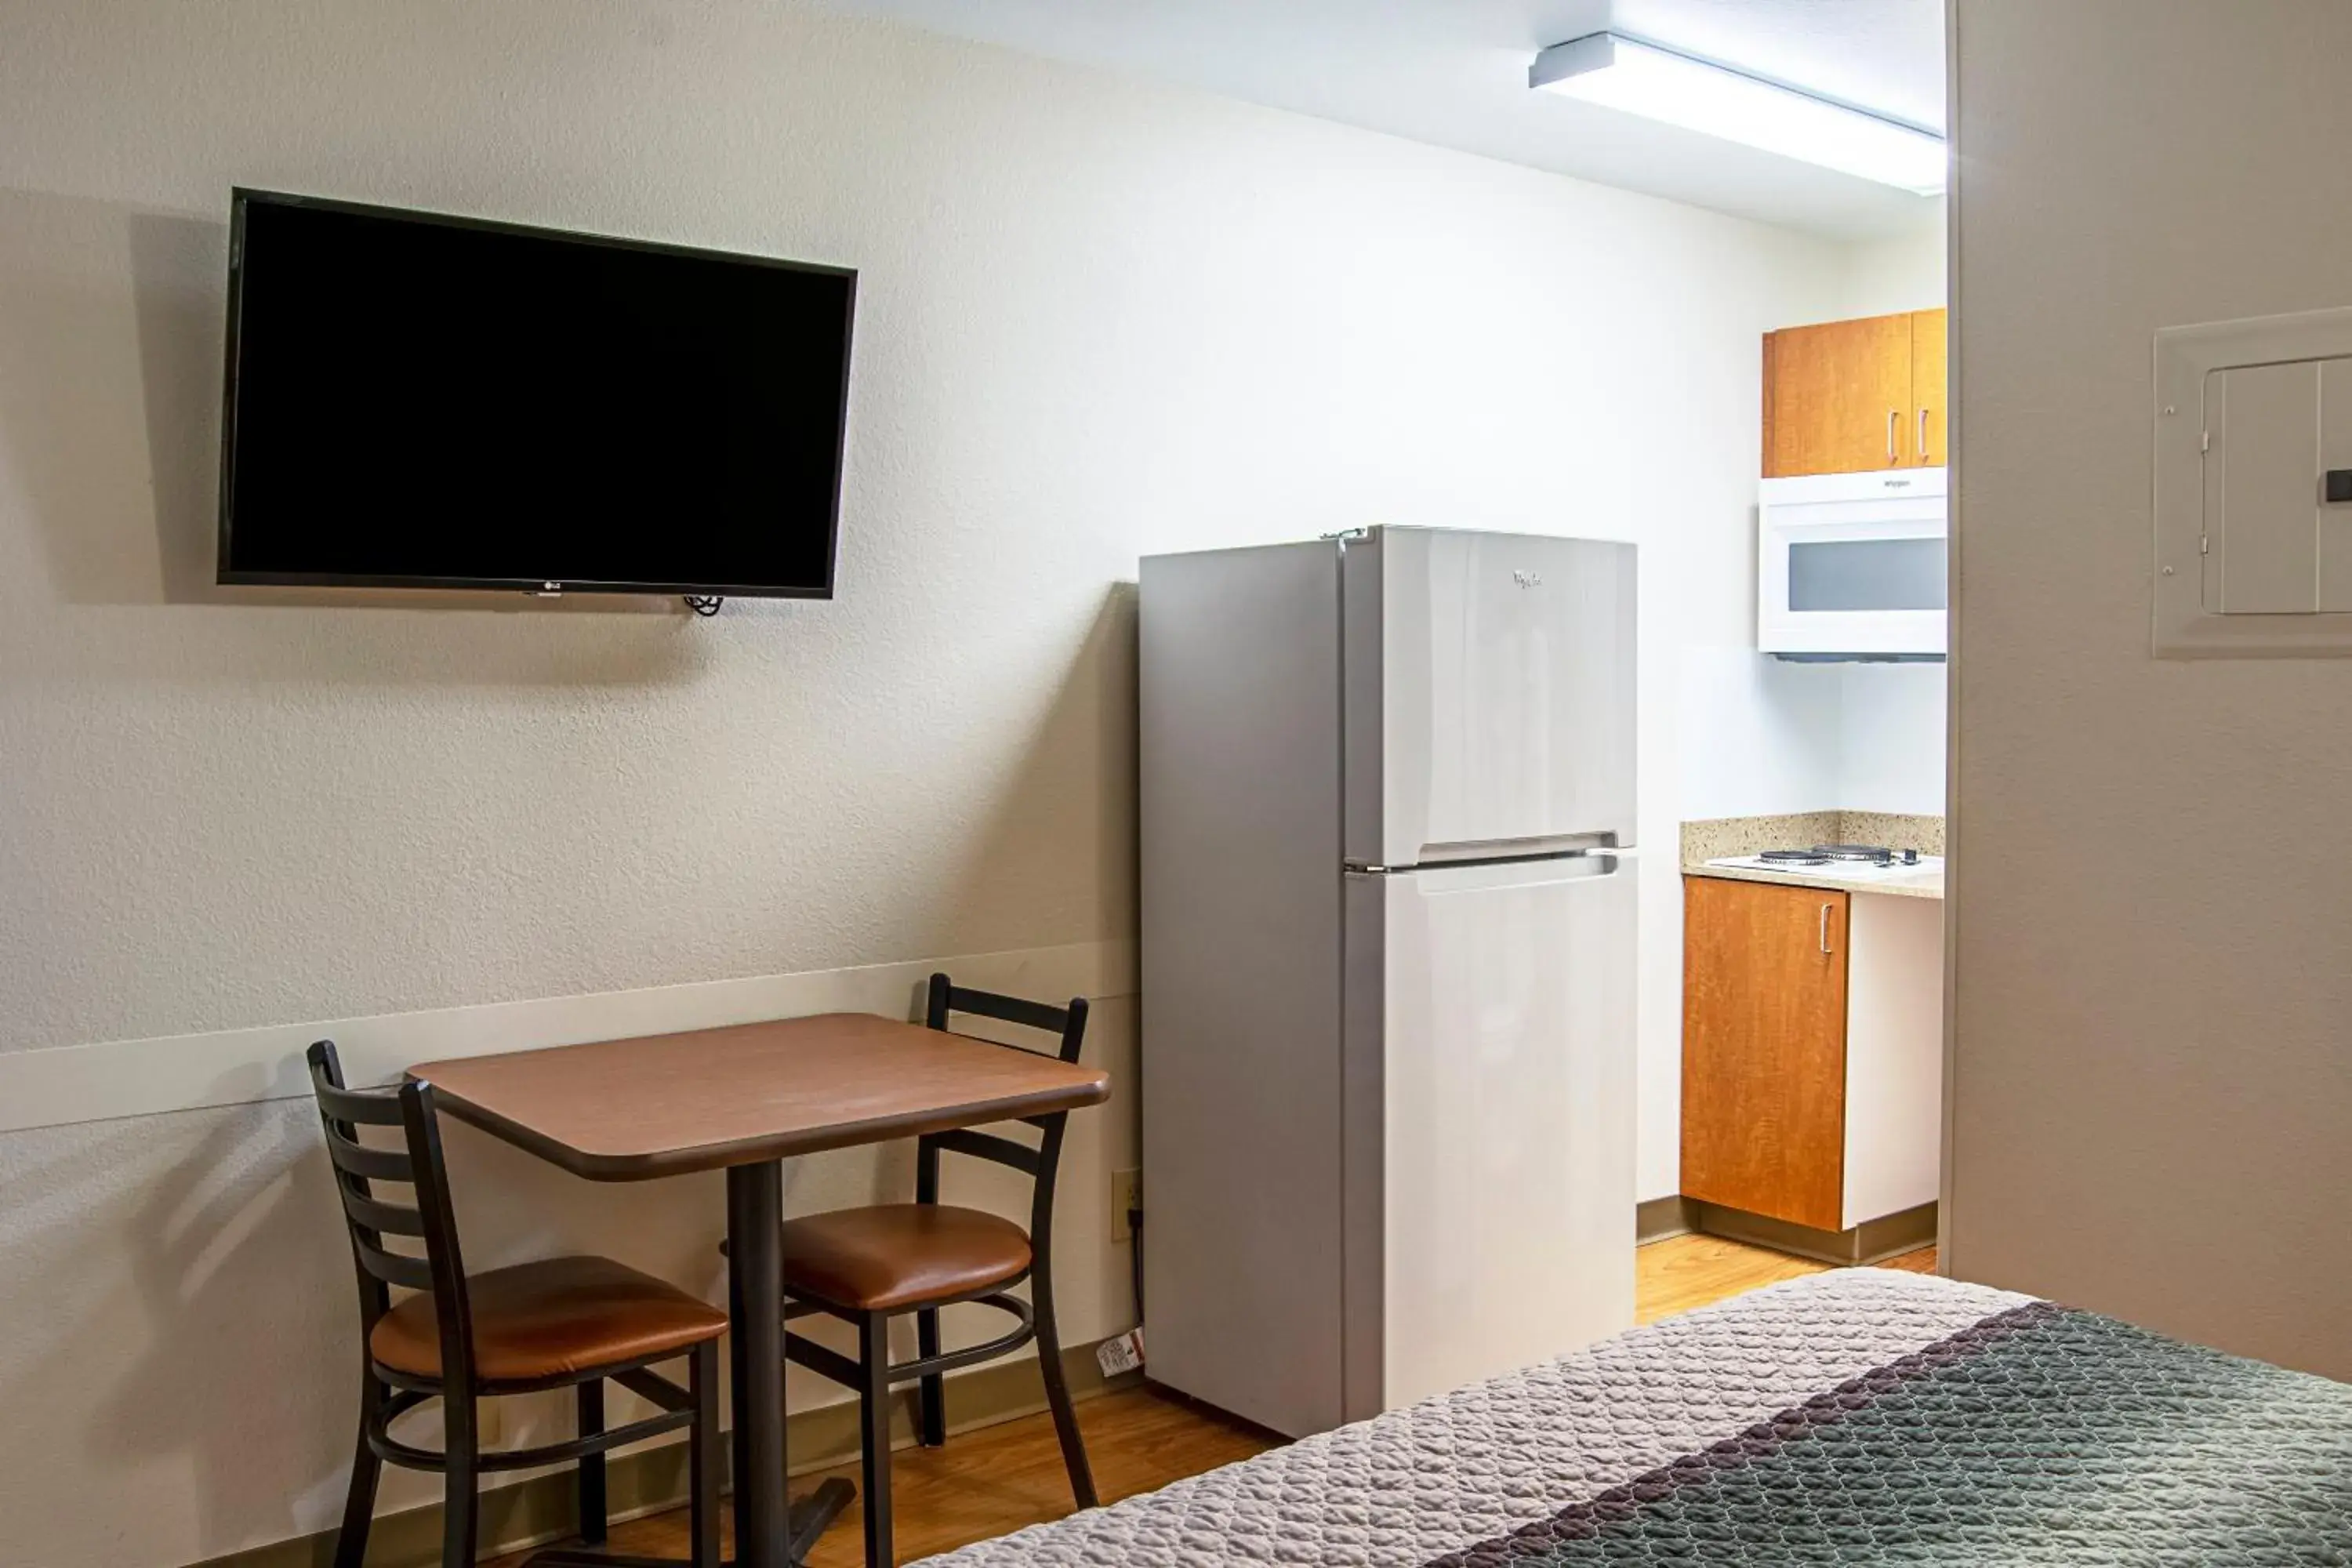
<point x="1812" y="844"/>
<point x="1476" y="951"/>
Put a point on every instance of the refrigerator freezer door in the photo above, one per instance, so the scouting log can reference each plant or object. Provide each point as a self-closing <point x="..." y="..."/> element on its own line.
<point x="1488" y="695"/>
<point x="1490" y="1120"/>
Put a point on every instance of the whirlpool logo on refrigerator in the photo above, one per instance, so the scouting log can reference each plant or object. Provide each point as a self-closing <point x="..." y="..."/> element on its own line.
<point x="1527" y="579"/>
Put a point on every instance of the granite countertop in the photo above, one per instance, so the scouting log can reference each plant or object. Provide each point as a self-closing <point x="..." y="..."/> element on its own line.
<point x="1723" y="837"/>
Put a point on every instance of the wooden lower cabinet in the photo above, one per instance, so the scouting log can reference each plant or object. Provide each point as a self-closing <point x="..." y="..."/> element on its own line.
<point x="1764" y="1049"/>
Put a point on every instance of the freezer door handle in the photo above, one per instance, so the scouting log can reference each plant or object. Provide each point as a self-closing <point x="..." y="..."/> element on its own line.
<point x="1559" y="844"/>
<point x="1583" y="863"/>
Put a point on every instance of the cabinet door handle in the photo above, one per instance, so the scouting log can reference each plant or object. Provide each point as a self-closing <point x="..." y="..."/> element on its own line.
<point x="1893" y="423"/>
<point x="1825" y="926"/>
<point x="1923" y="435"/>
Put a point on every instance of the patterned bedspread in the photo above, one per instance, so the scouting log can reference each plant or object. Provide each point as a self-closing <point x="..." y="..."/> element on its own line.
<point x="1865" y="1416"/>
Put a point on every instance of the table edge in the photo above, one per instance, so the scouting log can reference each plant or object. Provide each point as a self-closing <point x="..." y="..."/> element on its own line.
<point x="762" y="1150"/>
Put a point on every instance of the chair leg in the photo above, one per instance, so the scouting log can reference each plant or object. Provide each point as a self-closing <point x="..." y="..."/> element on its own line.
<point x="593" y="1515"/>
<point x="702" y="1455"/>
<point x="874" y="1429"/>
<point x="359" y="1503"/>
<point x="931" y="1401"/>
<point x="1058" y="1386"/>
<point x="459" y="1501"/>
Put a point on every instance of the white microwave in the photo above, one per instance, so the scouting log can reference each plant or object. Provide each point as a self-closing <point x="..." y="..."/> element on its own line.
<point x="1852" y="565"/>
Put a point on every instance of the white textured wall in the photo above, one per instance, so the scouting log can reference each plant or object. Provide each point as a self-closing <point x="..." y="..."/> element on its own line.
<point x="1891" y="738"/>
<point x="1901" y="272"/>
<point x="2152" y="1081"/>
<point x="1763" y="737"/>
<point x="1759" y="735"/>
<point x="1095" y="319"/>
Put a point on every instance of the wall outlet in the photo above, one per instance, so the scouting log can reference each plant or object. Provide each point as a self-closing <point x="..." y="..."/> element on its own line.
<point x="1125" y="1196"/>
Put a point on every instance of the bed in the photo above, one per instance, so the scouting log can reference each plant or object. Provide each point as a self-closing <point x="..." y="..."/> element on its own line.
<point x="1862" y="1416"/>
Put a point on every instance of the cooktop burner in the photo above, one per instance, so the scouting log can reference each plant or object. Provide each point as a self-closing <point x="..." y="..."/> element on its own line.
<point x="1825" y="854"/>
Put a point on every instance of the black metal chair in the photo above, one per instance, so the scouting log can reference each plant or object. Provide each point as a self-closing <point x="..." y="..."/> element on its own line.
<point x="564" y="1323"/>
<point x="867" y="1266"/>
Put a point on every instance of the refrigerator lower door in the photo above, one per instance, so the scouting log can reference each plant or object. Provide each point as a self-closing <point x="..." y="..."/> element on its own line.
<point x="1489" y="1100"/>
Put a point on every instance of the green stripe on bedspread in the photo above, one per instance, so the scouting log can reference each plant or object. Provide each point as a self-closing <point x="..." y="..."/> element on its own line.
<point x="2042" y="1436"/>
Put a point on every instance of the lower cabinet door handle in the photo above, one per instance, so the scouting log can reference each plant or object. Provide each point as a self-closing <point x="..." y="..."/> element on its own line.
<point x="1825" y="926"/>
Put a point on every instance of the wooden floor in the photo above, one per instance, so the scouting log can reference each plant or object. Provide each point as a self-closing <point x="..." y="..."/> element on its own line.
<point x="990" y="1482"/>
<point x="1683" y="1272"/>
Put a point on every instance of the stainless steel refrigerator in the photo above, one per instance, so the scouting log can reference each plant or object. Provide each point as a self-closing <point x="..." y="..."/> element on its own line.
<point x="1388" y="939"/>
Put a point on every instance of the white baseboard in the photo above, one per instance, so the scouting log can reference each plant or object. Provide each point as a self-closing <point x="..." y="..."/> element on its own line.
<point x="111" y="1078"/>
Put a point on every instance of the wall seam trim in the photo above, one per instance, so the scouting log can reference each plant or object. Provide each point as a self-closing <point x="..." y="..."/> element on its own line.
<point x="110" y="1080"/>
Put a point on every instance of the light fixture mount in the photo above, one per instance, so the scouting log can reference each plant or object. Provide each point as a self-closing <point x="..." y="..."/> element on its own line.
<point x="1634" y="76"/>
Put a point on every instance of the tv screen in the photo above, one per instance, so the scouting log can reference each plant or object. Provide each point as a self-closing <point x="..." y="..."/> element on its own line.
<point x="418" y="401"/>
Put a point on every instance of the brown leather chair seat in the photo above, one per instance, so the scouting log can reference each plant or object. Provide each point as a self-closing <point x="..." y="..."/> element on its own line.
<point x="898" y="1254"/>
<point x="551" y="1319"/>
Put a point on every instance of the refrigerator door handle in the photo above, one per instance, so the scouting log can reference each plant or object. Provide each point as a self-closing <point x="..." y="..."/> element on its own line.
<point x="1601" y="863"/>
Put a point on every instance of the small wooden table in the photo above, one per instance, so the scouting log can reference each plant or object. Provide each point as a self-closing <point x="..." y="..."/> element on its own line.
<point x="745" y="1098"/>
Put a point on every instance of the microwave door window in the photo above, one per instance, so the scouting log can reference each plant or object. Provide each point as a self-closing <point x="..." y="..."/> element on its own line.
<point x="1865" y="575"/>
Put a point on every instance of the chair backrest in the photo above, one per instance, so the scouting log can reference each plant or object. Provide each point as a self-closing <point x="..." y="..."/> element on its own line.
<point x="418" y="1164"/>
<point x="1069" y="1023"/>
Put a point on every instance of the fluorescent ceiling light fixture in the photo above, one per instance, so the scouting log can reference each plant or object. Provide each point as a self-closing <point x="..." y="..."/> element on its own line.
<point x="1624" y="73"/>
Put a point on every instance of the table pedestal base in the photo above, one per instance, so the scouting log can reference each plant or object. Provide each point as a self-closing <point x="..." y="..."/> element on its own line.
<point x="812" y="1516"/>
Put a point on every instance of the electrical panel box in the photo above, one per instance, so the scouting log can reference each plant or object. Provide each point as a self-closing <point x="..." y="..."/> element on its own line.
<point x="2253" y="487"/>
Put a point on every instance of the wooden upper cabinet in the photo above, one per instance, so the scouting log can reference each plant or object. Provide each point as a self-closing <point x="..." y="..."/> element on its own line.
<point x="1848" y="397"/>
<point x="1764" y="1044"/>
<point x="1930" y="434"/>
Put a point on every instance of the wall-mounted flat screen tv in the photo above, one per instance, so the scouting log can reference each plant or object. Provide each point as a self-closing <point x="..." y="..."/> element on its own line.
<point x="422" y="401"/>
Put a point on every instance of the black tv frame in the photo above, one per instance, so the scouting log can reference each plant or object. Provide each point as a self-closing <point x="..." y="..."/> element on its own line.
<point x="242" y="197"/>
